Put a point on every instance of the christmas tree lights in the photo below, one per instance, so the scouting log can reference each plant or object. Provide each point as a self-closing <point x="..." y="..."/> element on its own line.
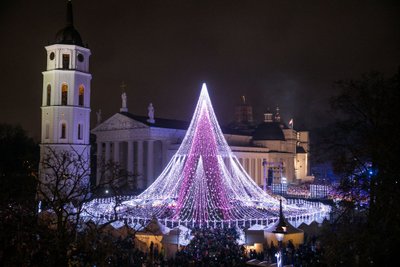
<point x="204" y="182"/>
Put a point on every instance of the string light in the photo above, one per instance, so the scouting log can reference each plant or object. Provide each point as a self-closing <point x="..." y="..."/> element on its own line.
<point x="204" y="182"/>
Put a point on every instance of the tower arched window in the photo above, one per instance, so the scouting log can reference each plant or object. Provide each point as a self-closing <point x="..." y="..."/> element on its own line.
<point x="47" y="131"/>
<point x="79" y="131"/>
<point x="81" y="95"/>
<point x="64" y="94"/>
<point x="63" y="130"/>
<point x="48" y="95"/>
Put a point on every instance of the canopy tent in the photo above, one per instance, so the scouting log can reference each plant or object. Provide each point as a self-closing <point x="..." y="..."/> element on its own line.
<point x="153" y="232"/>
<point x="178" y="236"/>
<point x="254" y="234"/>
<point x="294" y="234"/>
<point x="257" y="236"/>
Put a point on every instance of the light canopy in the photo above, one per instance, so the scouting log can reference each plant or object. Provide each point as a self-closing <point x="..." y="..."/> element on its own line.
<point x="204" y="181"/>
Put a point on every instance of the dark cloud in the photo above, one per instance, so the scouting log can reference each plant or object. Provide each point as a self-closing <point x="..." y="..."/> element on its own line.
<point x="275" y="52"/>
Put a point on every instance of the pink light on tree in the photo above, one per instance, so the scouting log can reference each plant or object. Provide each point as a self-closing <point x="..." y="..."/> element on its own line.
<point x="202" y="193"/>
<point x="204" y="181"/>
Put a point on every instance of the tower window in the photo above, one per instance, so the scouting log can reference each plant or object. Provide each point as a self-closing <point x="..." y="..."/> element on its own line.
<point x="80" y="57"/>
<point x="80" y="131"/>
<point x="48" y="96"/>
<point x="47" y="131"/>
<point x="52" y="55"/>
<point x="63" y="130"/>
<point x="81" y="95"/>
<point x="65" y="61"/>
<point x="64" y="94"/>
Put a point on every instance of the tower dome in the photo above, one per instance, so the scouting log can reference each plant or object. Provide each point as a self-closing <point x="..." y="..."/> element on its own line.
<point x="69" y="35"/>
<point x="269" y="131"/>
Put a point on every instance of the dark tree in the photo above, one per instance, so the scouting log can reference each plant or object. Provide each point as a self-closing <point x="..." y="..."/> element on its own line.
<point x="57" y="235"/>
<point x="19" y="156"/>
<point x="18" y="164"/>
<point x="18" y="152"/>
<point x="365" y="148"/>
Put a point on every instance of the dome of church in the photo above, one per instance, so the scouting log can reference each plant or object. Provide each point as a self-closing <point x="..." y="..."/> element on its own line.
<point x="269" y="131"/>
<point x="69" y="35"/>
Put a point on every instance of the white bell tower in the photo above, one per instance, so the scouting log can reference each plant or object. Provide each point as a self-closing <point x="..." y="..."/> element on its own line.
<point x="66" y="95"/>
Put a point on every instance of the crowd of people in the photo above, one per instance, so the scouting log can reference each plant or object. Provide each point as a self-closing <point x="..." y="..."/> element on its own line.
<point x="211" y="247"/>
<point x="308" y="254"/>
<point x="220" y="247"/>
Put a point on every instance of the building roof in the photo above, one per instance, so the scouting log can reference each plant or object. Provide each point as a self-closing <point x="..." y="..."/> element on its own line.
<point x="69" y="35"/>
<point x="240" y="128"/>
<point x="159" y="122"/>
<point x="176" y="124"/>
<point x="269" y="131"/>
<point x="265" y="131"/>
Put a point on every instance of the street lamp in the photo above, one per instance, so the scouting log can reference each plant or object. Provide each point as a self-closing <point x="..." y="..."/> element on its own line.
<point x="280" y="232"/>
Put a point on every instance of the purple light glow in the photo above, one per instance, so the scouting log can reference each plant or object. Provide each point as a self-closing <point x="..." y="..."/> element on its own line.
<point x="205" y="183"/>
<point x="202" y="191"/>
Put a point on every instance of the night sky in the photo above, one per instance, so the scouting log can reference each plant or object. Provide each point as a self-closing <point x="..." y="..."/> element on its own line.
<point x="285" y="53"/>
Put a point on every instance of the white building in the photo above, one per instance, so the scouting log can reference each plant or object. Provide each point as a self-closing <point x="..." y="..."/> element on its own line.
<point x="66" y="96"/>
<point x="143" y="145"/>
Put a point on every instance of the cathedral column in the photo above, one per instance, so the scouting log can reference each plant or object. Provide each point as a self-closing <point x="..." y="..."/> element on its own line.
<point x="260" y="171"/>
<point x="264" y="174"/>
<point x="246" y="164"/>
<point x="140" y="176"/>
<point x="164" y="149"/>
<point x="150" y="162"/>
<point x="108" y="153"/>
<point x="248" y="167"/>
<point x="251" y="169"/>
<point x="116" y="152"/>
<point x="254" y="167"/>
<point x="115" y="179"/>
<point x="257" y="172"/>
<point x="107" y="156"/>
<point x="130" y="163"/>
<point x="100" y="163"/>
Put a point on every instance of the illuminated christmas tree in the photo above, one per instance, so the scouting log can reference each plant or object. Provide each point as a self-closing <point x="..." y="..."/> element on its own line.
<point x="204" y="181"/>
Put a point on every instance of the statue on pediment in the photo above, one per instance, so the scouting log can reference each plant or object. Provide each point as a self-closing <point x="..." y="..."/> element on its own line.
<point x="98" y="114"/>
<point x="151" y="113"/>
<point x="124" y="98"/>
<point x="124" y="107"/>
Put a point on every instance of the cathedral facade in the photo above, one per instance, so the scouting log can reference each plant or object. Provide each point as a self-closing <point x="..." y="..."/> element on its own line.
<point x="270" y="152"/>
